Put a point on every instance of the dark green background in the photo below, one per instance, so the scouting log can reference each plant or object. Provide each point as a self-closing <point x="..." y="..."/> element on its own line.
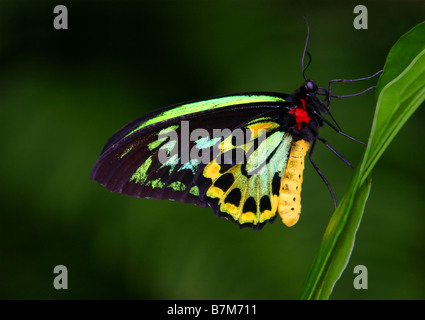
<point x="63" y="93"/>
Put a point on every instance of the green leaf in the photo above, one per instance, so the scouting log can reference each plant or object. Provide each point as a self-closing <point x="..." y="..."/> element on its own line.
<point x="400" y="91"/>
<point x="401" y="55"/>
<point x="337" y="243"/>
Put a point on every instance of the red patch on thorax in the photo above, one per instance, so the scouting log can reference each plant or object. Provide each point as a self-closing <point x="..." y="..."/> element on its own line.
<point x="301" y="115"/>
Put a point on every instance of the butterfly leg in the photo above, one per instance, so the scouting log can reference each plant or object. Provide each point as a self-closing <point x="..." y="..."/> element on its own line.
<point x="320" y="173"/>
<point x="349" y="80"/>
<point x="336" y="127"/>
<point x="348" y="163"/>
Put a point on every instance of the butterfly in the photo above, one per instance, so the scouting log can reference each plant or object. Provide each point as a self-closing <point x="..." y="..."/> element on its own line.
<point x="242" y="155"/>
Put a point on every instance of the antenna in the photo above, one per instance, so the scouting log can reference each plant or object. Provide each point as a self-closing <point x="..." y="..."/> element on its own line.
<point x="305" y="51"/>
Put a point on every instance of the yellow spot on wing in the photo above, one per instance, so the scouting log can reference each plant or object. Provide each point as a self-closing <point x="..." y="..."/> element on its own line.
<point x="255" y="128"/>
<point x="230" y="208"/>
<point x="247" y="217"/>
<point x="268" y="214"/>
<point x="214" y="192"/>
<point x="212" y="170"/>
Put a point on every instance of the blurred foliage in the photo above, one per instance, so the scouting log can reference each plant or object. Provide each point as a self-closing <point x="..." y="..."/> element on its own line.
<point x="63" y="93"/>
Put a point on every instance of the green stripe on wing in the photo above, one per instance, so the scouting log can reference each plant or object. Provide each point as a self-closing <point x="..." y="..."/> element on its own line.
<point x="204" y="105"/>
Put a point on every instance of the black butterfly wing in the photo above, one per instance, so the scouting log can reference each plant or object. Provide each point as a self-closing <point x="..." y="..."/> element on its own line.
<point x="155" y="156"/>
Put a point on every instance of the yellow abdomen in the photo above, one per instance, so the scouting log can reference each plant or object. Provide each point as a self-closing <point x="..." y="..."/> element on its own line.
<point x="289" y="206"/>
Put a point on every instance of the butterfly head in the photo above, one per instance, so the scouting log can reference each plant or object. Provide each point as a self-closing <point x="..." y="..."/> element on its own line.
<point x="311" y="87"/>
<point x="311" y="90"/>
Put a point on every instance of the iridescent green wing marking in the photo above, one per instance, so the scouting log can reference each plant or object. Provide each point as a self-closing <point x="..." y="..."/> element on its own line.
<point x="203" y="107"/>
<point x="174" y="153"/>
